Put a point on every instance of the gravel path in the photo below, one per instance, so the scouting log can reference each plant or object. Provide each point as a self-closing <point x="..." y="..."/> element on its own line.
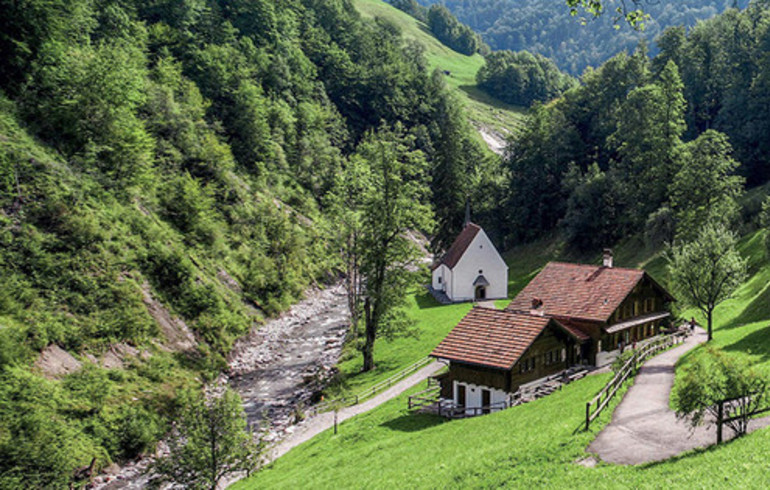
<point x="644" y="428"/>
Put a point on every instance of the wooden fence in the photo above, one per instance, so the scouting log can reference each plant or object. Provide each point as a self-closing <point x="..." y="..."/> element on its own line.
<point x="359" y="397"/>
<point x="601" y="400"/>
<point x="728" y="411"/>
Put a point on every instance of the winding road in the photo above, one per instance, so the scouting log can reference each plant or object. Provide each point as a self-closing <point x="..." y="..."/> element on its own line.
<point x="644" y="428"/>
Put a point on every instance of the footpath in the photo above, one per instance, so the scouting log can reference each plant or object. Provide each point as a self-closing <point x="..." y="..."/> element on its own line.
<point x="644" y="428"/>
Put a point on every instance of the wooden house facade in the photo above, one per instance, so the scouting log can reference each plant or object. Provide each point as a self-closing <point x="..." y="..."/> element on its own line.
<point x="611" y="307"/>
<point x="491" y="353"/>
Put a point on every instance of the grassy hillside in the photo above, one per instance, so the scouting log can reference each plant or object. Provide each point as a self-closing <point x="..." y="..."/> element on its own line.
<point x="535" y="443"/>
<point x="482" y="109"/>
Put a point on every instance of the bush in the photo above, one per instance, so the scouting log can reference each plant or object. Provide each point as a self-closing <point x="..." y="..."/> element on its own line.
<point x="521" y="78"/>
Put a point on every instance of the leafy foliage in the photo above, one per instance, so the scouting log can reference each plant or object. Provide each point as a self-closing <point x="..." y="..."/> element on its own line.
<point x="521" y="78"/>
<point x="707" y="270"/>
<point x="451" y="32"/>
<point x="182" y="155"/>
<point x="577" y="38"/>
<point x="715" y="377"/>
<point x="209" y="441"/>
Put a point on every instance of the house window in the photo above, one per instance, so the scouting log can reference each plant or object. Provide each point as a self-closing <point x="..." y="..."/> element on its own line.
<point x="481" y="271"/>
<point x="527" y="365"/>
<point x="439" y="279"/>
<point x="649" y="305"/>
<point x="627" y="310"/>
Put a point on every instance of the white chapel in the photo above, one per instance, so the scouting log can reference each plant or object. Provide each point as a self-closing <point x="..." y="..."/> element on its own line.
<point x="472" y="269"/>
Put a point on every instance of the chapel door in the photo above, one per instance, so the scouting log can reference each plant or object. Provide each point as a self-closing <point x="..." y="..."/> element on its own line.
<point x="486" y="401"/>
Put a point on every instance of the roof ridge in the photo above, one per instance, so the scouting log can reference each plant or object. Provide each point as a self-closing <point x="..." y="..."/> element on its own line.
<point x="575" y="264"/>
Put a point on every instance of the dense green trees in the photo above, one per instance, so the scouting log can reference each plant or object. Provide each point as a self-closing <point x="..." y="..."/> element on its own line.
<point x="187" y="153"/>
<point x="521" y="78"/>
<point x="575" y="42"/>
<point x="451" y="32"/>
<point x="647" y="145"/>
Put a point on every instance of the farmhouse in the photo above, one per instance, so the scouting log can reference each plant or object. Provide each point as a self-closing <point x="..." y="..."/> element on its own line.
<point x="471" y="269"/>
<point x="611" y="307"/>
<point x="569" y="314"/>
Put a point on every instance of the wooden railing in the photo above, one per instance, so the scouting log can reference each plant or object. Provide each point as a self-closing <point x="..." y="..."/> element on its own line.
<point x="359" y="397"/>
<point x="452" y="411"/>
<point x="426" y="397"/>
<point x="629" y="369"/>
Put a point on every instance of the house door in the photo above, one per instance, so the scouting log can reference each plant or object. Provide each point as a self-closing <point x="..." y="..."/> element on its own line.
<point x="481" y="292"/>
<point x="460" y="395"/>
<point x="485" y="401"/>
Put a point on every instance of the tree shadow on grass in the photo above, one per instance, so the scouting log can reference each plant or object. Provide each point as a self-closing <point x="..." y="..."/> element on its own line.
<point x="414" y="422"/>
<point x="757" y="310"/>
<point x="757" y="343"/>
<point x="426" y="300"/>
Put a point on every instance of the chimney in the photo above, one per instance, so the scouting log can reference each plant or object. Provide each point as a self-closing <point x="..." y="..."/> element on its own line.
<point x="467" y="213"/>
<point x="536" y="304"/>
<point x="607" y="258"/>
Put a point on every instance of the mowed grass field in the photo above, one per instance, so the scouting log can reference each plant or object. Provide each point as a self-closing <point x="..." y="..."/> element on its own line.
<point x="482" y="109"/>
<point x="537" y="444"/>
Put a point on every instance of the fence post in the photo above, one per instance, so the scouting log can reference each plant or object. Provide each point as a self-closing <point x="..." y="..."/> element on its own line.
<point x="588" y="415"/>
<point x="720" y="417"/>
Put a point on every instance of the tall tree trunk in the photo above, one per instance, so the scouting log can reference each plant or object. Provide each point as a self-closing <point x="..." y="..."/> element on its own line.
<point x="368" y="349"/>
<point x="710" y="314"/>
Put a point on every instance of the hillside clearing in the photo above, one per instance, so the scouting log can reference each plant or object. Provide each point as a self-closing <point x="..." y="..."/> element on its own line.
<point x="483" y="111"/>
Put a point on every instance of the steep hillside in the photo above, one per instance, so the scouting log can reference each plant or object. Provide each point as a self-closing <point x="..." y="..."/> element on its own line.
<point x="170" y="176"/>
<point x="460" y="70"/>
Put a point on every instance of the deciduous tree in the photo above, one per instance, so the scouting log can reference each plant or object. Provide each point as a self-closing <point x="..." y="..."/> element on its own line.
<point x="713" y="378"/>
<point x="393" y="206"/>
<point x="209" y="441"/>
<point x="707" y="270"/>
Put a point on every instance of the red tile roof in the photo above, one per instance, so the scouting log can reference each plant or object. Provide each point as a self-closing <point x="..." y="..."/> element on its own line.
<point x="490" y="337"/>
<point x="459" y="246"/>
<point x="574" y="330"/>
<point x="587" y="292"/>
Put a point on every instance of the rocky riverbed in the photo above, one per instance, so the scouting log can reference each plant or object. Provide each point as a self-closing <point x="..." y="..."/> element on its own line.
<point x="277" y="369"/>
<point x="281" y="366"/>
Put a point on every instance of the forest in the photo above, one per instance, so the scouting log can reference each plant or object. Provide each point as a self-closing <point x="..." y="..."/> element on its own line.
<point x="188" y="153"/>
<point x="651" y="146"/>
<point x="574" y="43"/>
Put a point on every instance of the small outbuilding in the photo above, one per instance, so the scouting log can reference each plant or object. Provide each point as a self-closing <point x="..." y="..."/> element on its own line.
<point x="472" y="269"/>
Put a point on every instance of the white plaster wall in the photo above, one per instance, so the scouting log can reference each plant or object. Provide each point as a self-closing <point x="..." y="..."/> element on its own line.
<point x="482" y="255"/>
<point x="442" y="272"/>
<point x="473" y="395"/>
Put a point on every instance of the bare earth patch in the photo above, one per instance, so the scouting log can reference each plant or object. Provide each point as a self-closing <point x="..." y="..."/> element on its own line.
<point x="56" y="362"/>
